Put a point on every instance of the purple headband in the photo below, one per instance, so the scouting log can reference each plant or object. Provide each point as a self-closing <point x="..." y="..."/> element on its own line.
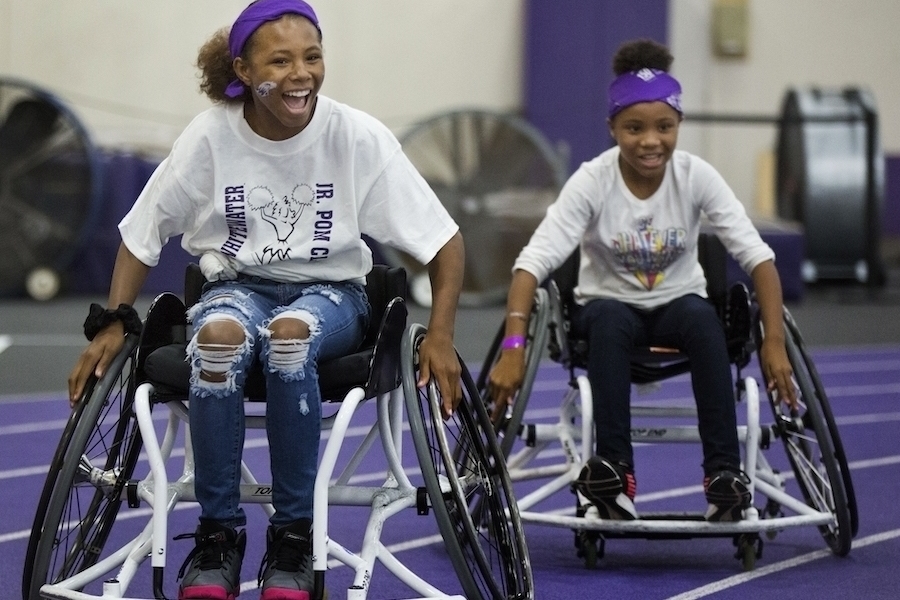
<point x="646" y="85"/>
<point x="257" y="13"/>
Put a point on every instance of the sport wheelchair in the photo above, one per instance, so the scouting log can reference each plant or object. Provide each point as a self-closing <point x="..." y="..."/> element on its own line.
<point x="76" y="550"/>
<point x="811" y="487"/>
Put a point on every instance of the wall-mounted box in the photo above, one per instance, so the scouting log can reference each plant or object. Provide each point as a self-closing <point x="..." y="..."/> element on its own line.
<point x="730" y="24"/>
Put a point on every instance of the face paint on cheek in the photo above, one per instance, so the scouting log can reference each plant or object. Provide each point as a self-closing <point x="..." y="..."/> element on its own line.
<point x="265" y="88"/>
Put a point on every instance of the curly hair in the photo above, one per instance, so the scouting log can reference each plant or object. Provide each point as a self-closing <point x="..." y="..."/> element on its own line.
<point x="215" y="64"/>
<point x="640" y="54"/>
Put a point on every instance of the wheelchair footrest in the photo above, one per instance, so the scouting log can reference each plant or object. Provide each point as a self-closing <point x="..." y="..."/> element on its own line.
<point x="649" y="534"/>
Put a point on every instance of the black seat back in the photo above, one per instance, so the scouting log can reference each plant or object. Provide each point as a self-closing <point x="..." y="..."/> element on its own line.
<point x="711" y="254"/>
<point x="647" y="366"/>
<point x="713" y="258"/>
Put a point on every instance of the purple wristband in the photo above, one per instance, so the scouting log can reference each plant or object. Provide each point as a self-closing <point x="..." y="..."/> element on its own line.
<point x="511" y="342"/>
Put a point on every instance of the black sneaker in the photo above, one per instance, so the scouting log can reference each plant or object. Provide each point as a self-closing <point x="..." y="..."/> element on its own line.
<point x="609" y="487"/>
<point x="728" y="494"/>
<point x="212" y="570"/>
<point x="287" y="570"/>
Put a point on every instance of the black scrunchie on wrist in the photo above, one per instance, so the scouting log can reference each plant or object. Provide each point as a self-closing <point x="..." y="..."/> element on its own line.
<point x="98" y="318"/>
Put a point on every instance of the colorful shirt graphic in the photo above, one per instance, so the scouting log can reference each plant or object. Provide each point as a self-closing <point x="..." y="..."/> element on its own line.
<point x="646" y="252"/>
<point x="641" y="251"/>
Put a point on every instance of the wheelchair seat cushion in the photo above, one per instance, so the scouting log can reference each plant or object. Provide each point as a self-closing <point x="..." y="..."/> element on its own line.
<point x="169" y="371"/>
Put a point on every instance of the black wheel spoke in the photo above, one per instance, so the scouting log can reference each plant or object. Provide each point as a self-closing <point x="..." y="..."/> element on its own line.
<point x="471" y="493"/>
<point x="81" y="498"/>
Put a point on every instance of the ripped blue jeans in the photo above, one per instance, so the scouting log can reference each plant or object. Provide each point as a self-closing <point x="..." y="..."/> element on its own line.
<point x="337" y="315"/>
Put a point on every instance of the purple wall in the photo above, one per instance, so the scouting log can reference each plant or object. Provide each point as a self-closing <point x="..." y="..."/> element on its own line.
<point x="568" y="65"/>
<point x="890" y="221"/>
<point x="90" y="272"/>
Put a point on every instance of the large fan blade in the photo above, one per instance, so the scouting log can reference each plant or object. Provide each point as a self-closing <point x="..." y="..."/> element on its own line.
<point x="496" y="175"/>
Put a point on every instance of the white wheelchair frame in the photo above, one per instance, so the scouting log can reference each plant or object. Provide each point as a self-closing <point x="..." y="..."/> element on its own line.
<point x="484" y="570"/>
<point x="814" y="450"/>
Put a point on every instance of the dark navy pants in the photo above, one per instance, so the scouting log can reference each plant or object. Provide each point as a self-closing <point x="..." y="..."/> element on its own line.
<point x="690" y="324"/>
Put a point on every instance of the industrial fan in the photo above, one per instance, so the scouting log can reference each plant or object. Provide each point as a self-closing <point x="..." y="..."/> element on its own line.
<point x="496" y="174"/>
<point x="50" y="178"/>
<point x="831" y="179"/>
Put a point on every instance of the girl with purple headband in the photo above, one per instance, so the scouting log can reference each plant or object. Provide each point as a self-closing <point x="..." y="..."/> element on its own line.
<point x="273" y="188"/>
<point x="634" y="213"/>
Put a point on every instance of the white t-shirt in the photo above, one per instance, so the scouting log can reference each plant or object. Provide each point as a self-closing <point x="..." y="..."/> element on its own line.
<point x="641" y="252"/>
<point x="291" y="210"/>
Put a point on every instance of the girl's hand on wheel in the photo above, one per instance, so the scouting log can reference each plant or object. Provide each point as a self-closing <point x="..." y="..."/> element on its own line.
<point x="438" y="360"/>
<point x="505" y="380"/>
<point x="778" y="371"/>
<point x="95" y="359"/>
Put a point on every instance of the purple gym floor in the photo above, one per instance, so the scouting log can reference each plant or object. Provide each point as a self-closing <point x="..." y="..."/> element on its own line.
<point x="863" y="385"/>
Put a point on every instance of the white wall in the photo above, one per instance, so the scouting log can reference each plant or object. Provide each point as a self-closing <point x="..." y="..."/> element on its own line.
<point x="126" y="67"/>
<point x="792" y="43"/>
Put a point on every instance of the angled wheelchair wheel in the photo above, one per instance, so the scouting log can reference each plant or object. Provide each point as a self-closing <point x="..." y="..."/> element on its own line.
<point x="85" y="485"/>
<point x="815" y="385"/>
<point x="486" y="545"/>
<point x="508" y="423"/>
<point x="813" y="447"/>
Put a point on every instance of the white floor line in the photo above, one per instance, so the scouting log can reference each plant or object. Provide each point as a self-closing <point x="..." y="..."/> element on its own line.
<point x="736" y="580"/>
<point x="868" y="419"/>
<point x="393" y="549"/>
<point x="5" y="342"/>
<point x="862" y="366"/>
<point x="33" y="427"/>
<point x="145" y="512"/>
<point x="700" y="592"/>
<point x="42" y="339"/>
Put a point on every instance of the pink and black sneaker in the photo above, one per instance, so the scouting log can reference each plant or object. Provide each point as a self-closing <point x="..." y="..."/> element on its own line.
<point x="610" y="487"/>
<point x="728" y="494"/>
<point x="212" y="570"/>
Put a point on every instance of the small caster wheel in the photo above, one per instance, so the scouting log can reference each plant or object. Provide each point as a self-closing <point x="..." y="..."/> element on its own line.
<point x="749" y="549"/>
<point x="590" y="556"/>
<point x="772" y="510"/>
<point x="591" y="548"/>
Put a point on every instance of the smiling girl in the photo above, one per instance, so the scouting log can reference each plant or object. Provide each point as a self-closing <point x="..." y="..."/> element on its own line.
<point x="272" y="189"/>
<point x="634" y="213"/>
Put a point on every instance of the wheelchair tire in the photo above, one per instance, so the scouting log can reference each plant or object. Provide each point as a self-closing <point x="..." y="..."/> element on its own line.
<point x="811" y="445"/>
<point x="828" y="416"/>
<point x="488" y="552"/>
<point x="94" y="460"/>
